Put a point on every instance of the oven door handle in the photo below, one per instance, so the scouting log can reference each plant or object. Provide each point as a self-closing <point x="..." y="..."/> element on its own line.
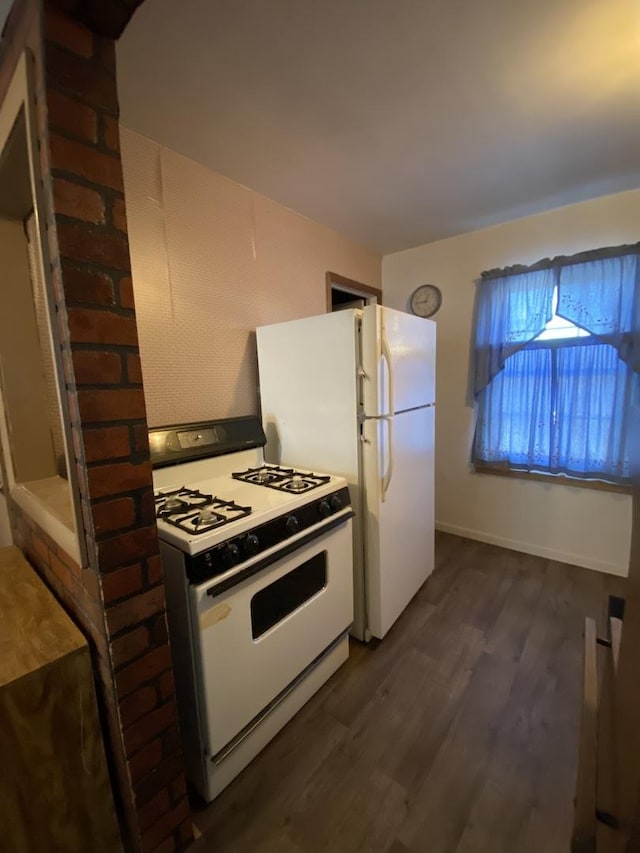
<point x="288" y="548"/>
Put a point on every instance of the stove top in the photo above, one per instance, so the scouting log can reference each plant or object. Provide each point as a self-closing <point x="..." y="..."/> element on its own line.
<point x="283" y="479"/>
<point x="194" y="512"/>
<point x="209" y="484"/>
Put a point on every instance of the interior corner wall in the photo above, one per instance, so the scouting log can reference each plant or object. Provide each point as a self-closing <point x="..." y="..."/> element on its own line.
<point x="212" y="260"/>
<point x="574" y="525"/>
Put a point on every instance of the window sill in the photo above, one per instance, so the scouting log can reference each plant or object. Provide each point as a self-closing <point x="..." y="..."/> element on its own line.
<point x="552" y="479"/>
<point x="48" y="502"/>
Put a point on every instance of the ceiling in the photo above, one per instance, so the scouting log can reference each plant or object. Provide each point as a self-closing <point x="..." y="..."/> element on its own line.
<point x="396" y="123"/>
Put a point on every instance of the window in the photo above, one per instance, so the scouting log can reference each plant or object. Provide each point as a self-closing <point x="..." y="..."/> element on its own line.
<point x="35" y="429"/>
<point x="556" y="366"/>
<point x="558" y="328"/>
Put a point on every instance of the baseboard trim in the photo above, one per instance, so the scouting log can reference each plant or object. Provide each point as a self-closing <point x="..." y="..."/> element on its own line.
<point x="537" y="550"/>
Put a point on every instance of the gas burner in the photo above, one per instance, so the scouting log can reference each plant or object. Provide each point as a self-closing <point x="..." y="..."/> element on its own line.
<point x="195" y="512"/>
<point x="297" y="484"/>
<point x="262" y="476"/>
<point x="283" y="479"/>
<point x="172" y="503"/>
<point x="179" y="500"/>
<point x="208" y="517"/>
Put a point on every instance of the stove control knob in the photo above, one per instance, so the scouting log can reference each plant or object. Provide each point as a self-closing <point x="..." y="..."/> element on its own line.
<point x="292" y="525"/>
<point x="324" y="508"/>
<point x="336" y="502"/>
<point x="251" y="545"/>
<point x="232" y="554"/>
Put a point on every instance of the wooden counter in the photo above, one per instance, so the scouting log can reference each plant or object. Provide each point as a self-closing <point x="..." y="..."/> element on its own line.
<point x="54" y="788"/>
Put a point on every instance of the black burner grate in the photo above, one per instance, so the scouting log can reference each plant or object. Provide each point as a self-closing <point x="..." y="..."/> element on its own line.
<point x="282" y="479"/>
<point x="195" y="512"/>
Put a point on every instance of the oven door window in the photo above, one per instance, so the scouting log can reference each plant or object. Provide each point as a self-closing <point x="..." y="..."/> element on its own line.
<point x="276" y="601"/>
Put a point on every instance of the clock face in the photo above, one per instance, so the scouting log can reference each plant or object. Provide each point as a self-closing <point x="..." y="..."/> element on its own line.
<point x="425" y="300"/>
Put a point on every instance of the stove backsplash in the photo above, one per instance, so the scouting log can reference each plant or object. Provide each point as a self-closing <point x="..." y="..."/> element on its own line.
<point x="212" y="260"/>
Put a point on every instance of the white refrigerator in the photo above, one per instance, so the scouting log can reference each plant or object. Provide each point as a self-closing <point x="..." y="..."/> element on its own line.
<point x="353" y="393"/>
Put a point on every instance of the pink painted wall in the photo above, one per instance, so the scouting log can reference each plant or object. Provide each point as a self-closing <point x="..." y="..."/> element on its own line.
<point x="212" y="260"/>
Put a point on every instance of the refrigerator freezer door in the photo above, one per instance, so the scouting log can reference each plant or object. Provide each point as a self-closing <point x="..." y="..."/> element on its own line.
<point x="308" y="391"/>
<point x="399" y="483"/>
<point x="399" y="359"/>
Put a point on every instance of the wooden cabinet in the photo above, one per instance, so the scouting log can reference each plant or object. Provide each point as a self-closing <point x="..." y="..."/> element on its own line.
<point x="54" y="789"/>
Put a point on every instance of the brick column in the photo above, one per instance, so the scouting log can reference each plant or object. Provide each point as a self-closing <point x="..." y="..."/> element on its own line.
<point x="119" y="598"/>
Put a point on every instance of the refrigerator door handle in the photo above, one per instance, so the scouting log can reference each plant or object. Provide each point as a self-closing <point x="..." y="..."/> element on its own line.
<point x="386" y="355"/>
<point x="385" y="480"/>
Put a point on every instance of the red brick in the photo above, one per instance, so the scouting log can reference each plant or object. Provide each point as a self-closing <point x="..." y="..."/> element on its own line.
<point x="120" y="215"/>
<point x="67" y="559"/>
<point x="178" y="788"/>
<point x="40" y="548"/>
<point x="92" y="326"/>
<point x="152" y="724"/>
<point x="165" y="685"/>
<point x="88" y="286"/>
<point x="154" y="567"/>
<point x="186" y="832"/>
<point x="111" y="133"/>
<point x="69" y="155"/>
<point x="134" y="369"/>
<point x="121" y="583"/>
<point x="107" y="480"/>
<point x="168" y="822"/>
<point x="86" y="80"/>
<point x="77" y="201"/>
<point x="111" y="405"/>
<point x="166" y="846"/>
<point x="154" y="809"/>
<point x="61" y="571"/>
<point x="160" y="632"/>
<point x="128" y="547"/>
<point x="71" y="116"/>
<point x="148" y="516"/>
<point x="90" y="583"/>
<point x="106" y="443"/>
<point x="94" y="244"/>
<point x="113" y="515"/>
<point x="137" y="704"/>
<point x="140" y="438"/>
<point x="96" y="367"/>
<point x="144" y="761"/>
<point x="135" y="610"/>
<point x="144" y="669"/>
<point x="68" y="33"/>
<point x="130" y="646"/>
<point x="126" y="292"/>
<point x="171" y="743"/>
<point x="162" y="776"/>
<point x="107" y="51"/>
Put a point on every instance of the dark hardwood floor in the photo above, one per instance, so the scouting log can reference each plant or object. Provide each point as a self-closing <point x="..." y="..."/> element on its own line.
<point x="455" y="734"/>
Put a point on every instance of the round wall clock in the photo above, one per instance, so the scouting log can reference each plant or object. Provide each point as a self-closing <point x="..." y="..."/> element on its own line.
<point x="425" y="300"/>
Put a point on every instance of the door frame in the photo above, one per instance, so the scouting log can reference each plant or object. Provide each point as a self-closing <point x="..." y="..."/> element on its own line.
<point x="372" y="295"/>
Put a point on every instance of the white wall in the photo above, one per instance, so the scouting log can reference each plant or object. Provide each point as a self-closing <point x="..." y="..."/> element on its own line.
<point x="575" y="525"/>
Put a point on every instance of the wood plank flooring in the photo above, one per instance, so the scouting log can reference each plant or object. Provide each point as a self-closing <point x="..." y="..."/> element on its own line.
<point x="456" y="734"/>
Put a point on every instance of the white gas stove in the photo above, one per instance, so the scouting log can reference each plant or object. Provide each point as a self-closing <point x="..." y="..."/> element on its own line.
<point x="258" y="572"/>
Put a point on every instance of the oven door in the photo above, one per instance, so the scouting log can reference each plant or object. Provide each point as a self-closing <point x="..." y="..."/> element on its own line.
<point x="255" y="638"/>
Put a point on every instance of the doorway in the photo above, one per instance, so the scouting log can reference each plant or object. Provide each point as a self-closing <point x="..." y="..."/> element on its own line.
<point x="343" y="293"/>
